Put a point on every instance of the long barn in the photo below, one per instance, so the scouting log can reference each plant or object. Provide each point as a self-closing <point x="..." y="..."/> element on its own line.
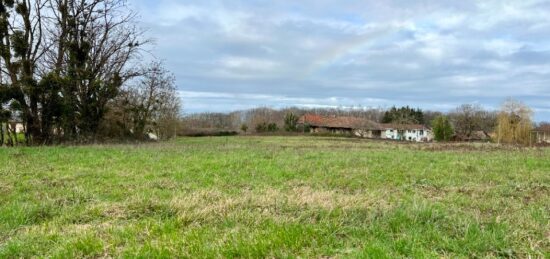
<point x="365" y="128"/>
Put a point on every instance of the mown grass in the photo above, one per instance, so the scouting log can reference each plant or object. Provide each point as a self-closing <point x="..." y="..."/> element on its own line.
<point x="275" y="197"/>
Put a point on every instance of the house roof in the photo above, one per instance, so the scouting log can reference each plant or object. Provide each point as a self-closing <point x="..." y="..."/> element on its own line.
<point x="354" y="123"/>
<point x="403" y="126"/>
<point x="543" y="128"/>
<point x="338" y="122"/>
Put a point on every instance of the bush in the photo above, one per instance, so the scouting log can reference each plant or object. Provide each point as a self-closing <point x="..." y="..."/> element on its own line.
<point x="244" y="127"/>
<point x="266" y="127"/>
<point x="261" y="127"/>
<point x="272" y="127"/>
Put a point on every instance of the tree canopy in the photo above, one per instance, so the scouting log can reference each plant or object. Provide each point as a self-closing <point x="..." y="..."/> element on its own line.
<point x="403" y="115"/>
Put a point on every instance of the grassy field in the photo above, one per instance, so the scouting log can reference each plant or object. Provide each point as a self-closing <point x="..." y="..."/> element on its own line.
<point x="275" y="197"/>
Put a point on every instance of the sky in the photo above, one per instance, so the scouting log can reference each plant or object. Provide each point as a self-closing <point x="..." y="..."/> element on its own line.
<point x="236" y="54"/>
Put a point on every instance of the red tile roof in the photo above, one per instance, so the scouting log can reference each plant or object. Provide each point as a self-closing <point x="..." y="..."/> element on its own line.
<point x="543" y="128"/>
<point x="337" y="122"/>
<point x="353" y="123"/>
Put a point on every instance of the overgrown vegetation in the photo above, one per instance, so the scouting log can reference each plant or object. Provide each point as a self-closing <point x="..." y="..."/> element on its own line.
<point x="275" y="197"/>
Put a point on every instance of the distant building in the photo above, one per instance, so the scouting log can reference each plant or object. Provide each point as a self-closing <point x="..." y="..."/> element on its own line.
<point x="18" y="127"/>
<point x="365" y="128"/>
<point x="541" y="134"/>
<point x="409" y="132"/>
<point x="475" y="136"/>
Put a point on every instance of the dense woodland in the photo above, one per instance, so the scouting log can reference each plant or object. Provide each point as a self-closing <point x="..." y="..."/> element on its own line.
<point x="70" y="72"/>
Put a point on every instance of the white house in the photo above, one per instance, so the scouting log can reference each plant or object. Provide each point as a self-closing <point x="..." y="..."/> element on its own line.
<point x="408" y="132"/>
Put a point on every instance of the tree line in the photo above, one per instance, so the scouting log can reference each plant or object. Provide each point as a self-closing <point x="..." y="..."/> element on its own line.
<point x="511" y="124"/>
<point x="70" y="71"/>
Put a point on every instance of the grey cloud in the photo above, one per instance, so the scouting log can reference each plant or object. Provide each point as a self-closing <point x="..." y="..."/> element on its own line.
<point x="431" y="54"/>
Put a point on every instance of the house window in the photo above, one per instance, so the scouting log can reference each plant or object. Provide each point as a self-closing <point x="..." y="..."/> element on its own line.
<point x="391" y="131"/>
<point x="414" y="131"/>
<point x="421" y="132"/>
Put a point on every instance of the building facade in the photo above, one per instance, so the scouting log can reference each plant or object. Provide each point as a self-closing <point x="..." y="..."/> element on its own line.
<point x="408" y="132"/>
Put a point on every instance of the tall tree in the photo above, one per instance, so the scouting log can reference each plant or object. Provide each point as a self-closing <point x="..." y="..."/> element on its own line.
<point x="291" y="122"/>
<point x="21" y="34"/>
<point x="96" y="42"/>
<point x="468" y="118"/>
<point x="443" y="131"/>
<point x="152" y="103"/>
<point x="514" y="123"/>
<point x="63" y="61"/>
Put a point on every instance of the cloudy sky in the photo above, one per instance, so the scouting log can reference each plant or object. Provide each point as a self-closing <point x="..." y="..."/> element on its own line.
<point x="237" y="54"/>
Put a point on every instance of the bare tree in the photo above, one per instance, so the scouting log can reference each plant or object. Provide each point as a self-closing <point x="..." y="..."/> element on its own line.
<point x="95" y="42"/>
<point x="468" y="118"/>
<point x="21" y="34"/>
<point x="152" y="103"/>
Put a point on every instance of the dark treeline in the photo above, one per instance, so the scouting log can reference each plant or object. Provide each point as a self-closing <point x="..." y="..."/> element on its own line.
<point x="69" y="72"/>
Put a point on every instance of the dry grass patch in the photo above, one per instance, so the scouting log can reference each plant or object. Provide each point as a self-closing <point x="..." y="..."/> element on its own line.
<point x="278" y="204"/>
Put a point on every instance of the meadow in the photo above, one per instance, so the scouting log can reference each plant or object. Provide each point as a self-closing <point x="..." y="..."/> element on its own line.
<point x="277" y="197"/>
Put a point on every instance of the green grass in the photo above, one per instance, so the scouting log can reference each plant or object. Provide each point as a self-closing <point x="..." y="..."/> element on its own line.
<point x="275" y="197"/>
<point x="19" y="138"/>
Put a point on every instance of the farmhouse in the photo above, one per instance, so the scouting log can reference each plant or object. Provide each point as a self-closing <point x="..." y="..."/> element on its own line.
<point x="341" y="125"/>
<point x="409" y="132"/>
<point x="365" y="128"/>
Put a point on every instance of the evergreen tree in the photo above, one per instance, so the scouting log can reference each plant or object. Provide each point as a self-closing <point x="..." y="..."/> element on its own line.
<point x="291" y="122"/>
<point x="443" y="131"/>
<point x="403" y="115"/>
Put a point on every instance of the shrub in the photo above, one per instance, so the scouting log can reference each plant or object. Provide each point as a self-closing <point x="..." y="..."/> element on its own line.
<point x="244" y="127"/>
<point x="266" y="127"/>
<point x="272" y="127"/>
<point x="261" y="127"/>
